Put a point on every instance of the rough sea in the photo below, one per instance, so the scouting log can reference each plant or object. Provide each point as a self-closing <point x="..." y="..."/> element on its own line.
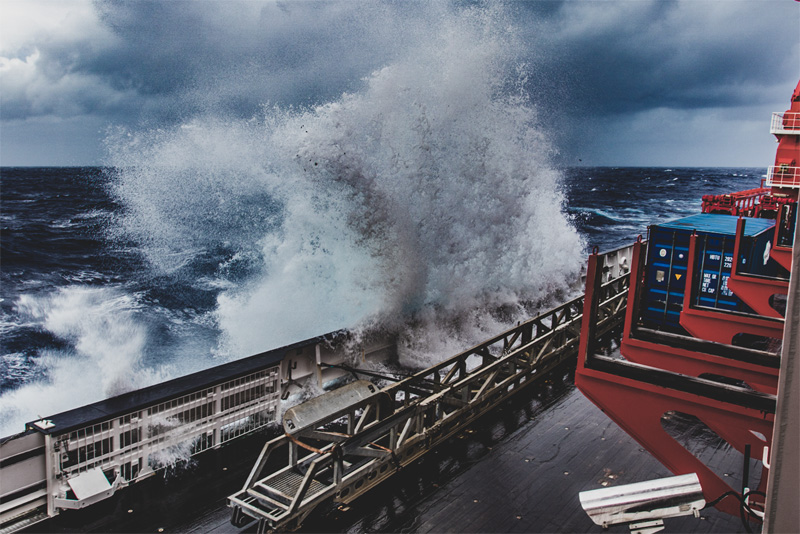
<point x="106" y="287"/>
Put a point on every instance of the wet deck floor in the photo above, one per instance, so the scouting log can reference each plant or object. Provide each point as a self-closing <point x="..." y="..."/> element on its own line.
<point x="519" y="469"/>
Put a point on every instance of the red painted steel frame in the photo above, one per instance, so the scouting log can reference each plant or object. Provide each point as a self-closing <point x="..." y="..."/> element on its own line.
<point x="691" y="363"/>
<point x="771" y="204"/>
<point x="783" y="255"/>
<point x="787" y="155"/>
<point x="638" y="407"/>
<point x="688" y="362"/>
<point x="755" y="291"/>
<point x="718" y="325"/>
<point x="739" y="203"/>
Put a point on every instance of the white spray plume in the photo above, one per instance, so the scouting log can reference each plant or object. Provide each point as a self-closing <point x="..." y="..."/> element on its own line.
<point x="102" y="355"/>
<point x="425" y="199"/>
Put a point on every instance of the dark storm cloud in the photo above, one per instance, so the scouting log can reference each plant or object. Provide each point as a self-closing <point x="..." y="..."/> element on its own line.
<point x="625" y="57"/>
<point x="159" y="62"/>
<point x="178" y="57"/>
<point x="233" y="57"/>
<point x="162" y="60"/>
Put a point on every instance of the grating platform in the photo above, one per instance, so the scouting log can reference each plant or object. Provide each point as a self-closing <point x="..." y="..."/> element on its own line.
<point x="286" y="485"/>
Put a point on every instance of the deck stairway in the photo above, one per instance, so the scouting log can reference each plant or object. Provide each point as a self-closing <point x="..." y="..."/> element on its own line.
<point x="350" y="447"/>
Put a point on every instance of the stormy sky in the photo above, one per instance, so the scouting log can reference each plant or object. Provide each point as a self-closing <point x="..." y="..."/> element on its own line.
<point x="644" y="82"/>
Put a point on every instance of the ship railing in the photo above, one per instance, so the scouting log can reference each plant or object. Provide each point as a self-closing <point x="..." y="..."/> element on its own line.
<point x="740" y="203"/>
<point x="783" y="176"/>
<point x="39" y="469"/>
<point x="785" y="123"/>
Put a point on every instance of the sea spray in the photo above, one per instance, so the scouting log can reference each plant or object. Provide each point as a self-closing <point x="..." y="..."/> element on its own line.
<point x="422" y="203"/>
<point x="100" y="344"/>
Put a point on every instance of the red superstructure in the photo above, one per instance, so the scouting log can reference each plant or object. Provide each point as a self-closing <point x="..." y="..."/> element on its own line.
<point x="704" y="327"/>
<point x="784" y="176"/>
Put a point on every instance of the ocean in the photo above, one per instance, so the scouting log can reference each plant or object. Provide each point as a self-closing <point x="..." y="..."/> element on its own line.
<point x="108" y="287"/>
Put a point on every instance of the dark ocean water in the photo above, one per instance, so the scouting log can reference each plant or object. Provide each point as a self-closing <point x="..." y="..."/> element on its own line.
<point x="84" y="313"/>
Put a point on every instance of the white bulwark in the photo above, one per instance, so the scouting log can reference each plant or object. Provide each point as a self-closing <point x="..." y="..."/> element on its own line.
<point x="76" y="458"/>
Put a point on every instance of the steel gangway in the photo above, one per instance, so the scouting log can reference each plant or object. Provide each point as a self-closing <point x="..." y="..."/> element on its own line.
<point x="345" y="442"/>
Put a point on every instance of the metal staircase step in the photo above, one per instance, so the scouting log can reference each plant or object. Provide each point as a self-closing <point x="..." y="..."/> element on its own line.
<point x="285" y="485"/>
<point x="262" y="493"/>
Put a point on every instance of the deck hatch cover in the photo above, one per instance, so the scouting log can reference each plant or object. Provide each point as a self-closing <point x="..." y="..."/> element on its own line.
<point x="89" y="484"/>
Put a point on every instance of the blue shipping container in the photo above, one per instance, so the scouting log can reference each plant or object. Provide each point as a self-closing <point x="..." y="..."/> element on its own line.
<point x="667" y="259"/>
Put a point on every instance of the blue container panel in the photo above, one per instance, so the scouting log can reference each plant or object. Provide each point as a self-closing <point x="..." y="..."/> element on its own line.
<point x="661" y="277"/>
<point x="754" y="257"/>
<point x="660" y="310"/>
<point x="664" y="255"/>
<point x="665" y="279"/>
<point x="667" y="257"/>
<point x="712" y="284"/>
<point x="713" y="292"/>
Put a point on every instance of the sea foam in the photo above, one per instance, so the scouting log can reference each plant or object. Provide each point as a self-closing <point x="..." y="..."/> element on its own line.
<point x="101" y="346"/>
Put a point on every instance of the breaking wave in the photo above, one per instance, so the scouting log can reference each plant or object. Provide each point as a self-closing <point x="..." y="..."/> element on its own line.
<point x="100" y="342"/>
<point x="422" y="203"/>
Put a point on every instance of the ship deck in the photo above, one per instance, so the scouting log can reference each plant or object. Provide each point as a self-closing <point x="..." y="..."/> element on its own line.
<point x="518" y="469"/>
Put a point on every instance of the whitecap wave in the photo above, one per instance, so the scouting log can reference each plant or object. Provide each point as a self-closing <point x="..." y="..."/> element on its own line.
<point x="103" y="342"/>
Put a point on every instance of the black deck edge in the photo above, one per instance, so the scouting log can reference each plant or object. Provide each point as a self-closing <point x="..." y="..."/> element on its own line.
<point x="135" y="400"/>
<point x="697" y="386"/>
<point x="744" y="354"/>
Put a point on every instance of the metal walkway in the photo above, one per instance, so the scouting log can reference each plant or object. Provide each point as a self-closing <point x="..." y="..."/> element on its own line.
<point x="395" y="426"/>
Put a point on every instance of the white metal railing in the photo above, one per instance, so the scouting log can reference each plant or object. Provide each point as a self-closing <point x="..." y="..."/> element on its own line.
<point x="783" y="176"/>
<point x="785" y="123"/>
<point x="136" y="445"/>
<point x="132" y="446"/>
